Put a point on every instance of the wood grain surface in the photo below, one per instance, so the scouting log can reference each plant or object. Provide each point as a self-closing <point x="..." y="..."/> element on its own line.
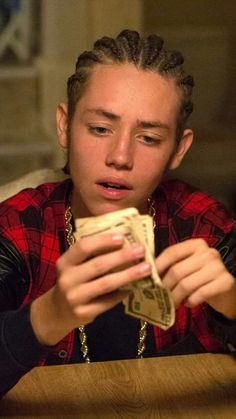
<point x="193" y="386"/>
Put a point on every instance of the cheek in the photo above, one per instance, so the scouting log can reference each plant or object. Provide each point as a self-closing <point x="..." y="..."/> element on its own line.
<point x="151" y="170"/>
<point x="150" y="166"/>
<point x="84" y="162"/>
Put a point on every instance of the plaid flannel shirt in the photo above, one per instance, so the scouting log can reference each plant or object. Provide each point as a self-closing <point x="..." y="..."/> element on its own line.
<point x="34" y="222"/>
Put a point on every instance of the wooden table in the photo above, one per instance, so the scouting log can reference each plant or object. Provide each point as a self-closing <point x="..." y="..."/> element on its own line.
<point x="194" y="386"/>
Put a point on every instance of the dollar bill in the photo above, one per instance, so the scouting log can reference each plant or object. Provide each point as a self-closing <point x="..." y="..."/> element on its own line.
<point x="128" y="223"/>
<point x="148" y="299"/>
<point x="153" y="305"/>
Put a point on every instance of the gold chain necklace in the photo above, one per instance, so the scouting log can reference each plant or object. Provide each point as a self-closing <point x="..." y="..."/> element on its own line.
<point x="82" y="333"/>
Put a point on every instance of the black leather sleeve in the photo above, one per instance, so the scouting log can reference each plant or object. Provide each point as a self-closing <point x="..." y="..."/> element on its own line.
<point x="223" y="328"/>
<point x="14" y="278"/>
<point x="19" y="348"/>
<point x="227" y="249"/>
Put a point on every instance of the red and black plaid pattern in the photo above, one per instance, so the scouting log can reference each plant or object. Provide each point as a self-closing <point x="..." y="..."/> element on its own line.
<point x="182" y="212"/>
<point x="34" y="221"/>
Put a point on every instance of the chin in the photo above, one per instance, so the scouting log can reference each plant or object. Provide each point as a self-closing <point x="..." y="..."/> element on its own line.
<point x="108" y="207"/>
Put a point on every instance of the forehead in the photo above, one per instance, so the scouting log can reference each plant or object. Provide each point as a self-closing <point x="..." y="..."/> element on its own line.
<point x="124" y="89"/>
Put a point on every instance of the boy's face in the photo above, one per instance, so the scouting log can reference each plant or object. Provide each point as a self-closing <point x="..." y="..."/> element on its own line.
<point x="122" y="139"/>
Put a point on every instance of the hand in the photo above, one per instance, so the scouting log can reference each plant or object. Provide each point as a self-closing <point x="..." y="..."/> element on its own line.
<point x="88" y="284"/>
<point x="195" y="273"/>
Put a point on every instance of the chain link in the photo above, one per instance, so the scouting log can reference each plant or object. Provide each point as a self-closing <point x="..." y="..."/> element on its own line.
<point x="82" y="333"/>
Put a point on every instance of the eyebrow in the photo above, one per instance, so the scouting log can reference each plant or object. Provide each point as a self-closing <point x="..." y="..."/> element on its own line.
<point x="140" y="123"/>
<point x="103" y="112"/>
<point x="152" y="124"/>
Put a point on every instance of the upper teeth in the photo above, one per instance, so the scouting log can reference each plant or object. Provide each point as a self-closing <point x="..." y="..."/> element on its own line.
<point x="113" y="185"/>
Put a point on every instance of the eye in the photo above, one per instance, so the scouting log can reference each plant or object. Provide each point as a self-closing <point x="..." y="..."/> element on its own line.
<point x="146" y="139"/>
<point x="97" y="130"/>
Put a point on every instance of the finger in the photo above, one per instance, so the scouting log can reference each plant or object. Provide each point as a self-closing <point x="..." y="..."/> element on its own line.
<point x="101" y="265"/>
<point x="116" y="260"/>
<point x="87" y="247"/>
<point x="213" y="292"/>
<point x="197" y="281"/>
<point x="182" y="270"/>
<point x="178" y="252"/>
<point x="88" y="312"/>
<point x="86" y="292"/>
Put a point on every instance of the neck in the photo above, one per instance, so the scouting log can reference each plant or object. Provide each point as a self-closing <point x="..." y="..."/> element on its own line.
<point x="80" y="210"/>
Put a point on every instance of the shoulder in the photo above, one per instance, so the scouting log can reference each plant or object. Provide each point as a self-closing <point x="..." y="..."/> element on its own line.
<point x="33" y="208"/>
<point x="192" y="212"/>
<point x="35" y="197"/>
<point x="183" y="195"/>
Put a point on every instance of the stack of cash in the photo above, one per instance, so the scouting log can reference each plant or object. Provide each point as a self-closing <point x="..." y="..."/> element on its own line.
<point x="148" y="299"/>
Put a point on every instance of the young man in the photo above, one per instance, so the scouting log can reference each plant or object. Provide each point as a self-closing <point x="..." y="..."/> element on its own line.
<point x="124" y="127"/>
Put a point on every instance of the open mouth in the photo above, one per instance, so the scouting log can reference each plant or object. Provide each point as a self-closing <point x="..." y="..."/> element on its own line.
<point x="112" y="186"/>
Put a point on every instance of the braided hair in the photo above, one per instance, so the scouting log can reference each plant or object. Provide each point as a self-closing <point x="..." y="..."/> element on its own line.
<point x="146" y="54"/>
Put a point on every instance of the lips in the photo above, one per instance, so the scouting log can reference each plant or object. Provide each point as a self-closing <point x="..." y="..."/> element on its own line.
<point x="114" y="183"/>
<point x="113" y="188"/>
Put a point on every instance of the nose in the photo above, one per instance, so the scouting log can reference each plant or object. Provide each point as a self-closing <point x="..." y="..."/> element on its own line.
<point x="120" y="152"/>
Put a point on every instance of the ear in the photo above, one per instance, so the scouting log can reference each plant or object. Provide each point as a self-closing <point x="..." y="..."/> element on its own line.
<point x="182" y="148"/>
<point x="62" y="125"/>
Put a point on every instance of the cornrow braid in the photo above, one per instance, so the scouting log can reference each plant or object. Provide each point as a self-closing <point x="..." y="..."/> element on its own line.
<point x="145" y="53"/>
<point x="111" y="48"/>
<point x="132" y="45"/>
<point x="171" y="59"/>
<point x="152" y="47"/>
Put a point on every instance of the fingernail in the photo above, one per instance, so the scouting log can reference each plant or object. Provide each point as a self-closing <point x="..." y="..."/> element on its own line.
<point x="118" y="238"/>
<point x="145" y="268"/>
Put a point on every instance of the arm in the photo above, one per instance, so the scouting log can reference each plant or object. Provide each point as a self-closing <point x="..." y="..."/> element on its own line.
<point x="19" y="349"/>
<point x="15" y="359"/>
<point x="225" y="329"/>
<point x="197" y="273"/>
<point x="86" y="286"/>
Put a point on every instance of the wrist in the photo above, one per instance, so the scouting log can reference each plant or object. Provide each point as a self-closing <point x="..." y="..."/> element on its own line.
<point x="47" y="327"/>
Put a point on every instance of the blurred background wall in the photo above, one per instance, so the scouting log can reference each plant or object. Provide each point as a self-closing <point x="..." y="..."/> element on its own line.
<point x="41" y="39"/>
